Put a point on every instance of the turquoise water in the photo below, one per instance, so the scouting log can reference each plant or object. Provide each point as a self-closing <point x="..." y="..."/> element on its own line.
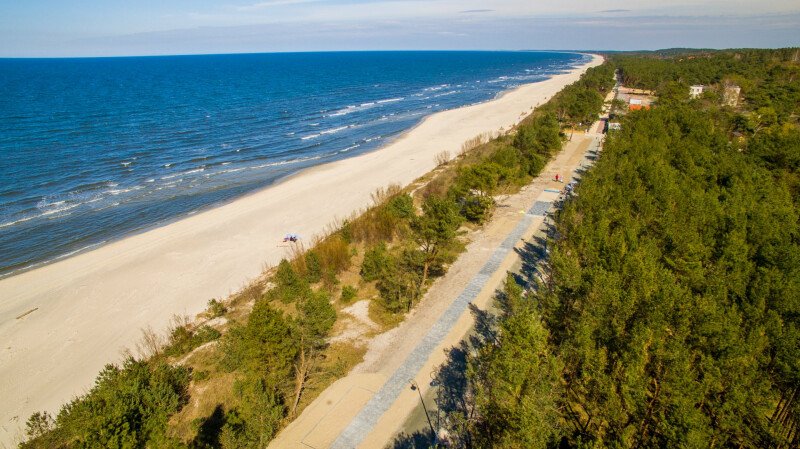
<point x="93" y="149"/>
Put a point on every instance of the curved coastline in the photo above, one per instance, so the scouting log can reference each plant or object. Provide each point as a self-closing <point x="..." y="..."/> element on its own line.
<point x="92" y="304"/>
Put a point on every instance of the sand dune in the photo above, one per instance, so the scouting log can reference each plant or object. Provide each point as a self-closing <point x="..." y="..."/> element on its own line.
<point x="90" y="306"/>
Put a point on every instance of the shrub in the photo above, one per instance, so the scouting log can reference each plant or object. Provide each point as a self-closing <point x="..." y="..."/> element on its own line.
<point x="128" y="406"/>
<point x="536" y="164"/>
<point x="381" y="194"/>
<point x="334" y="254"/>
<point x="183" y="339"/>
<point x="313" y="267"/>
<point x="267" y="339"/>
<point x="384" y="221"/>
<point x="349" y="293"/>
<point x="289" y="286"/>
<point x="401" y="206"/>
<point x="317" y="318"/>
<point x="257" y="418"/>
<point x="216" y="308"/>
<point x="442" y="158"/>
<point x="540" y="136"/>
<point x="376" y="260"/>
<point x="475" y="208"/>
<point x="398" y="288"/>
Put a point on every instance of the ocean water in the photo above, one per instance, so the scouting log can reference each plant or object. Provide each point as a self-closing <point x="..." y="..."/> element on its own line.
<point x="94" y="149"/>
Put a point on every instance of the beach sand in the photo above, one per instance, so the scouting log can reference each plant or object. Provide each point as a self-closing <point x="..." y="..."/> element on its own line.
<point x="61" y="323"/>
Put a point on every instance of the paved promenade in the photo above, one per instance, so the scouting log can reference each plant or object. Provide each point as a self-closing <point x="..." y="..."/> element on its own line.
<point x="368" y="407"/>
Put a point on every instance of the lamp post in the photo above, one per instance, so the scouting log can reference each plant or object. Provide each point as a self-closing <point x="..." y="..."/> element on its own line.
<point x="415" y="386"/>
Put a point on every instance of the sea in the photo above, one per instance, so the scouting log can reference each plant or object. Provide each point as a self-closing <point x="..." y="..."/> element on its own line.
<point x="94" y="149"/>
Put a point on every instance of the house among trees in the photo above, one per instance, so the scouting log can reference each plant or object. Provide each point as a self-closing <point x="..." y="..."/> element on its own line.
<point x="696" y="90"/>
<point x="730" y="95"/>
<point x="635" y="98"/>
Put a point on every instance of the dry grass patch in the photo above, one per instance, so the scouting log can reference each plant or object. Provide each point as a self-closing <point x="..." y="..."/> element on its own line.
<point x="337" y="360"/>
<point x="384" y="318"/>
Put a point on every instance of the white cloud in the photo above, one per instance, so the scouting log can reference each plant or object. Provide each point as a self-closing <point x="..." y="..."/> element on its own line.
<point x="272" y="4"/>
<point x="294" y="25"/>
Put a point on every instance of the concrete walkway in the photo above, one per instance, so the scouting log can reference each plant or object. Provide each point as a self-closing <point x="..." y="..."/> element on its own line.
<point x="368" y="407"/>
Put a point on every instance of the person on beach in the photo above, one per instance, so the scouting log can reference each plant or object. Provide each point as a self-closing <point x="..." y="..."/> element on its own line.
<point x="558" y="177"/>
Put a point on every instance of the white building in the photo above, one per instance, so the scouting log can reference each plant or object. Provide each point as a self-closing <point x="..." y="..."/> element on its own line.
<point x="730" y="96"/>
<point x="696" y="90"/>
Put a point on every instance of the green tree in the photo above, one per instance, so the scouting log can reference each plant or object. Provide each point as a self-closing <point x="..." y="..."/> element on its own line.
<point x="129" y="406"/>
<point x="257" y="418"/>
<point x="517" y="380"/>
<point x="376" y="259"/>
<point x="435" y="229"/>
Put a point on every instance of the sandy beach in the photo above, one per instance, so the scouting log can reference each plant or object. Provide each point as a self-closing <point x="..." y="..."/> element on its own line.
<point x="61" y="323"/>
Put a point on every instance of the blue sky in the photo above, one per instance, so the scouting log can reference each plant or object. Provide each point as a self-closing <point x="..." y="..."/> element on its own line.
<point x="155" y="27"/>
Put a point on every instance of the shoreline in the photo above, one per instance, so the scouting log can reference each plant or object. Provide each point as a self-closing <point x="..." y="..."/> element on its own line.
<point x="175" y="268"/>
<point x="392" y="138"/>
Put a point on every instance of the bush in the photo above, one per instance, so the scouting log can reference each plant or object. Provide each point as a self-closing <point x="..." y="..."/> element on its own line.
<point x="476" y="209"/>
<point x="317" y="318"/>
<point x="216" y="308"/>
<point x="401" y="278"/>
<point x="334" y="254"/>
<point x="375" y="262"/>
<point x="129" y="406"/>
<point x="536" y="164"/>
<point x="348" y="293"/>
<point x="481" y="179"/>
<point x="289" y="285"/>
<point x="442" y="158"/>
<point x="398" y="288"/>
<point x="401" y="206"/>
<point x="384" y="221"/>
<point x="257" y="418"/>
<point x="267" y="339"/>
<point x="313" y="267"/>
<point x="183" y="340"/>
<point x="539" y="136"/>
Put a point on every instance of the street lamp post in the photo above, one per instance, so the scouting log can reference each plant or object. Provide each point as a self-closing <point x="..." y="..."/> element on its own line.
<point x="415" y="386"/>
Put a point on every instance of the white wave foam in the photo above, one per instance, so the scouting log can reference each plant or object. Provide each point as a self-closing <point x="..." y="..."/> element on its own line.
<point x="436" y="88"/>
<point x="352" y="108"/>
<point x="444" y="94"/>
<point x="287" y="162"/>
<point x="334" y="130"/>
<point x="21" y="220"/>
<point x="45" y="262"/>
<point x="390" y="100"/>
<point x="350" y="148"/>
